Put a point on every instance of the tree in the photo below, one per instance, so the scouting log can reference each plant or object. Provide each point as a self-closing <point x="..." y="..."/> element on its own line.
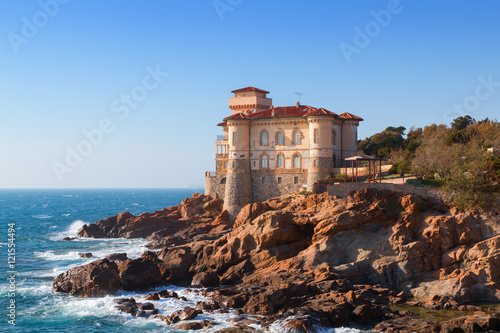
<point x="461" y="123"/>
<point x="381" y="144"/>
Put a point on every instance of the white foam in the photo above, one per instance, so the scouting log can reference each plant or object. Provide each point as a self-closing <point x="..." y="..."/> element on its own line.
<point x="71" y="231"/>
<point x="50" y="255"/>
<point x="42" y="216"/>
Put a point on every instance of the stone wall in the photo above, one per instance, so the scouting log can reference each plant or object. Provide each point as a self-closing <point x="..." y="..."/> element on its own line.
<point x="270" y="188"/>
<point x="214" y="186"/>
<point x="343" y="189"/>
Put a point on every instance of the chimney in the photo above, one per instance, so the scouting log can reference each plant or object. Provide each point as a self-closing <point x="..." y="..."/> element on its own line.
<point x="272" y="113"/>
<point x="298" y="104"/>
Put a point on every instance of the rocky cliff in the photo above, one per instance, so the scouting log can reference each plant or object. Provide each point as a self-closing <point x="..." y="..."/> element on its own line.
<point x="327" y="260"/>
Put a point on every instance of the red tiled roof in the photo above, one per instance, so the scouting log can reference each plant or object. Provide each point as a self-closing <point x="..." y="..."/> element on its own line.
<point x="290" y="112"/>
<point x="224" y="123"/>
<point x="250" y="89"/>
<point x="282" y="112"/>
<point x="347" y="115"/>
<point x="237" y="116"/>
<point x="321" y="112"/>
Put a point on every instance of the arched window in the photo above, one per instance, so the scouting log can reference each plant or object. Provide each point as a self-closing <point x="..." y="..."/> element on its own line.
<point x="279" y="161"/>
<point x="280" y="138"/>
<point x="263" y="162"/>
<point x="334" y="139"/>
<point x="296" y="161"/>
<point x="264" y="136"/>
<point x="296" y="137"/>
<point x="223" y="180"/>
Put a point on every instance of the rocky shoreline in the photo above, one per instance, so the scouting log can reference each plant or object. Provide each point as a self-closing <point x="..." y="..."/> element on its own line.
<point x="308" y="262"/>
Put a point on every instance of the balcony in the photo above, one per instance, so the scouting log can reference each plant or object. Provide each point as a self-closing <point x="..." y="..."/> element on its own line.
<point x="221" y="137"/>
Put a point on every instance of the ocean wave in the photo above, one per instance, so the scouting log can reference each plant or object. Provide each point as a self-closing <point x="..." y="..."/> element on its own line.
<point x="71" y="231"/>
<point x="50" y="255"/>
<point x="42" y="216"/>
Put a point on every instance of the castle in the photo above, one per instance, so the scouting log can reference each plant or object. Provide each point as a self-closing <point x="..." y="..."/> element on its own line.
<point x="268" y="151"/>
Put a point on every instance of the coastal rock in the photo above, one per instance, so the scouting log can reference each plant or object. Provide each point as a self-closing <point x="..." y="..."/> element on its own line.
<point x="85" y="255"/>
<point x="117" y="257"/>
<point x="205" y="279"/>
<point x="135" y="309"/>
<point x="141" y="273"/>
<point x="163" y="223"/>
<point x="334" y="260"/>
<point x="99" y="278"/>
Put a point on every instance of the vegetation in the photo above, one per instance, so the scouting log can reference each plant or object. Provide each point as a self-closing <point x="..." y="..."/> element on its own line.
<point x="305" y="193"/>
<point x="454" y="157"/>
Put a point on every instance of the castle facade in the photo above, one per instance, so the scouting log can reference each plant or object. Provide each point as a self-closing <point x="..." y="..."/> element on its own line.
<point x="268" y="151"/>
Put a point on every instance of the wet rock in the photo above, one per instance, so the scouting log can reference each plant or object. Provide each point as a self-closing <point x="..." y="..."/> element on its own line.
<point x="85" y="255"/>
<point x="130" y="306"/>
<point x="67" y="239"/>
<point x="98" y="278"/>
<point x="207" y="306"/>
<point x="117" y="257"/>
<point x="187" y="313"/>
<point x="141" y="273"/>
<point x="195" y="325"/>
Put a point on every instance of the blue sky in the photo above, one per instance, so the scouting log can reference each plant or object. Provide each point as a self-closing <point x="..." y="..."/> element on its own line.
<point x="65" y="67"/>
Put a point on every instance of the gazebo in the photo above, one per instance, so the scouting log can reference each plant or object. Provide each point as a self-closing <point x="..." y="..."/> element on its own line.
<point x="372" y="164"/>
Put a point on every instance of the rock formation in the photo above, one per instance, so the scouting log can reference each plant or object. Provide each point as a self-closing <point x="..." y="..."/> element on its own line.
<point x="325" y="260"/>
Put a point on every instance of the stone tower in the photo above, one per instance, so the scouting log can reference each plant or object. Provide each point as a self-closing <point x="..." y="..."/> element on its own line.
<point x="238" y="191"/>
<point x="238" y="184"/>
<point x="321" y="129"/>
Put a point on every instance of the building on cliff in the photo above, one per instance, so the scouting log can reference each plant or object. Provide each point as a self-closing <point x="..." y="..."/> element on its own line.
<point x="268" y="151"/>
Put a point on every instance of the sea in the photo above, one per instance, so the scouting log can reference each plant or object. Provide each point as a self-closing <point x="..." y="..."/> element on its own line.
<point x="33" y="224"/>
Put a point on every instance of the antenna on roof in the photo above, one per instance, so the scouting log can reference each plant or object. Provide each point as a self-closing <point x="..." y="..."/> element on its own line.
<point x="299" y="94"/>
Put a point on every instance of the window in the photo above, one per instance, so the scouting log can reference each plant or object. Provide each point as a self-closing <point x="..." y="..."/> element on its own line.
<point x="279" y="161"/>
<point x="223" y="180"/>
<point x="280" y="138"/>
<point x="254" y="163"/>
<point x="279" y="180"/>
<point x="263" y="162"/>
<point x="264" y="138"/>
<point x="225" y="164"/>
<point x="315" y="163"/>
<point x="234" y="138"/>
<point x="295" y="180"/>
<point x="334" y="139"/>
<point x="296" y="138"/>
<point x="296" y="161"/>
<point x="234" y="165"/>
<point x="316" y="138"/>
<point x="263" y="180"/>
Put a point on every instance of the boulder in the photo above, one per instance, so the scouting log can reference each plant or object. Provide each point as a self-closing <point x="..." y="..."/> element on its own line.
<point x="141" y="273"/>
<point x="117" y="257"/>
<point x="98" y="278"/>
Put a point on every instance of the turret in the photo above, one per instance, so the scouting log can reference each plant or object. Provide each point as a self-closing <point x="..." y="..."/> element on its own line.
<point x="238" y="185"/>
<point x="320" y="145"/>
<point x="249" y="98"/>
